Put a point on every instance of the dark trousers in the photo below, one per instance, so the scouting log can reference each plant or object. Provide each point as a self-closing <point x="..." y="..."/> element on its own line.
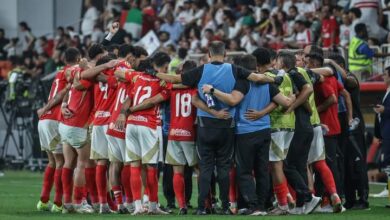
<point x="167" y="181"/>
<point x="252" y="154"/>
<point x="188" y="171"/>
<point x="355" y="178"/>
<point x="331" y="146"/>
<point x="385" y="153"/>
<point x="295" y="165"/>
<point x="341" y="151"/>
<point x="215" y="149"/>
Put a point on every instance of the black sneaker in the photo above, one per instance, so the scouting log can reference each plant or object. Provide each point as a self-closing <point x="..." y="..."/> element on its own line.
<point x="200" y="212"/>
<point x="171" y="206"/>
<point x="211" y="211"/>
<point x="189" y="206"/>
<point x="361" y="206"/>
<point x="183" y="211"/>
<point x="166" y="209"/>
<point x="348" y="205"/>
<point x="224" y="212"/>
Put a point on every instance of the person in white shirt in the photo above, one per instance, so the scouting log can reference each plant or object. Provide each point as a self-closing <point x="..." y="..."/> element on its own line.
<point x="186" y="14"/>
<point x="345" y="30"/>
<point x="27" y="38"/>
<point x="371" y="13"/>
<point x="90" y="17"/>
<point x="251" y="40"/>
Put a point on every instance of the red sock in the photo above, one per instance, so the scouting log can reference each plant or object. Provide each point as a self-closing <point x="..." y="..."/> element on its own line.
<point x="48" y="179"/>
<point x="125" y="179"/>
<point x="136" y="182"/>
<point x="117" y="194"/>
<point x="67" y="184"/>
<point x="111" y="203"/>
<point x="326" y="176"/>
<point x="58" y="187"/>
<point x="90" y="182"/>
<point x="178" y="187"/>
<point x="85" y="192"/>
<point x="78" y="194"/>
<point x="233" y="186"/>
<point x="101" y="182"/>
<point x="281" y="191"/>
<point x="292" y="192"/>
<point x="152" y="183"/>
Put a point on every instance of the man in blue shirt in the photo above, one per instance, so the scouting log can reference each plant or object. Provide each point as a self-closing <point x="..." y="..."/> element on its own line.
<point x="173" y="27"/>
<point x="253" y="134"/>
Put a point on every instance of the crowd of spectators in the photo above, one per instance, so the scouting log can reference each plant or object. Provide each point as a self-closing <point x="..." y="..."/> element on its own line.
<point x="192" y="24"/>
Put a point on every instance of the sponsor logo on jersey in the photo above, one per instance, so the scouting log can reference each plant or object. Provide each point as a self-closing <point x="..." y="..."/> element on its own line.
<point x="180" y="132"/>
<point x="138" y="118"/>
<point x="102" y="114"/>
<point x="114" y="128"/>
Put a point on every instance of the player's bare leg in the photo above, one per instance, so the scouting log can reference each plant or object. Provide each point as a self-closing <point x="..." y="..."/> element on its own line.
<point x="67" y="176"/>
<point x="136" y="186"/>
<point x="280" y="187"/>
<point x="179" y="188"/>
<point x="59" y="161"/>
<point x="115" y="182"/>
<point x="48" y="179"/>
<point x="101" y="182"/>
<point x="79" y="179"/>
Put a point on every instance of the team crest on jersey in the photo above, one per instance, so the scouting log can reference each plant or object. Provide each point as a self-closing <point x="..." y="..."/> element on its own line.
<point x="180" y="132"/>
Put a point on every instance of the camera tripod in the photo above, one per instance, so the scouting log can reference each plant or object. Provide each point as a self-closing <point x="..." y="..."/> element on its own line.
<point x="23" y="126"/>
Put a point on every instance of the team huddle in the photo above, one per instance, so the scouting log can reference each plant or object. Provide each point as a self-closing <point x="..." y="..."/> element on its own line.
<point x="265" y="132"/>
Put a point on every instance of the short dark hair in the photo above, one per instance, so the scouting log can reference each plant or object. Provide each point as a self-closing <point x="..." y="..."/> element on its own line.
<point x="71" y="28"/>
<point x="24" y="25"/>
<point x="288" y="59"/>
<point x="360" y="27"/>
<point x="160" y="59"/>
<point x="182" y="53"/>
<point x="318" y="57"/>
<point x="262" y="56"/>
<point x="217" y="48"/>
<point x="338" y="59"/>
<point x="112" y="47"/>
<point x="71" y="55"/>
<point x="248" y="61"/>
<point x="125" y="49"/>
<point x="272" y="54"/>
<point x="188" y="65"/>
<point x="104" y="59"/>
<point x="95" y="50"/>
<point x="139" y="51"/>
<point x="356" y="11"/>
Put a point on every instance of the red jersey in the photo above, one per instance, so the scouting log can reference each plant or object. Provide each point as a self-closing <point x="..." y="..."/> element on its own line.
<point x="144" y="87"/>
<point x="330" y="26"/>
<point x="104" y="98"/>
<point x="58" y="85"/>
<point x="80" y="103"/>
<point x="121" y="93"/>
<point x="323" y="91"/>
<point x="183" y="115"/>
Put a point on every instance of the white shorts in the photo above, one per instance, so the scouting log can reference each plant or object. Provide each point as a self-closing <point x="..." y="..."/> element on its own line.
<point x="317" y="147"/>
<point x="116" y="149"/>
<point x="74" y="136"/>
<point x="99" y="142"/>
<point x="142" y="144"/>
<point x="49" y="135"/>
<point x="280" y="143"/>
<point x="160" y="144"/>
<point x="181" y="153"/>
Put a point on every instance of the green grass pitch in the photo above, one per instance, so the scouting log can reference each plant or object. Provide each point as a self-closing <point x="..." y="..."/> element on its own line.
<point x="20" y="190"/>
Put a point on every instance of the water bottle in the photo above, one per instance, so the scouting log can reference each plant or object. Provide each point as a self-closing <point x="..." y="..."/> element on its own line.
<point x="209" y="100"/>
<point x="354" y="124"/>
